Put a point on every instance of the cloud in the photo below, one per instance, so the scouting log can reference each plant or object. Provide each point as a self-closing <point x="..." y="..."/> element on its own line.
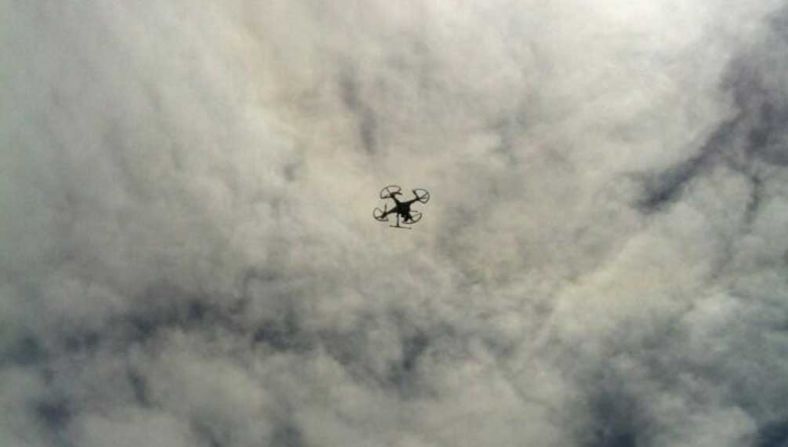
<point x="188" y="256"/>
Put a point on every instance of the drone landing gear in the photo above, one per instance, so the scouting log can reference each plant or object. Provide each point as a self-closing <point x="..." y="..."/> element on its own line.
<point x="398" y="225"/>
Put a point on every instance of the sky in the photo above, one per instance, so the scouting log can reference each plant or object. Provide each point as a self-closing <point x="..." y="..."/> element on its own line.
<point x="188" y="255"/>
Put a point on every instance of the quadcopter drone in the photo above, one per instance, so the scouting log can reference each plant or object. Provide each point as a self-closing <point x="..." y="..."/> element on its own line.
<point x="401" y="209"/>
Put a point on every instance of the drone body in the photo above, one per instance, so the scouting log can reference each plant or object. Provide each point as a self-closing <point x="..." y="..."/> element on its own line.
<point x="401" y="209"/>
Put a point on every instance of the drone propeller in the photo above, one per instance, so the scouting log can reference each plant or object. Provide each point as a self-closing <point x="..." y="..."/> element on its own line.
<point x="422" y="195"/>
<point x="389" y="191"/>
<point x="415" y="216"/>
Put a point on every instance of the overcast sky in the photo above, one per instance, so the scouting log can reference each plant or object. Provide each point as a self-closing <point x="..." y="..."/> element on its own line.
<point x="188" y="256"/>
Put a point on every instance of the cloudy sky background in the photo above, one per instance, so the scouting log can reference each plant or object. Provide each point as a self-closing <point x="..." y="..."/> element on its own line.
<point x="188" y="255"/>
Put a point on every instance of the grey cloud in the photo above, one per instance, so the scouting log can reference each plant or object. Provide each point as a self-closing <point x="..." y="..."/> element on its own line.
<point x="187" y="255"/>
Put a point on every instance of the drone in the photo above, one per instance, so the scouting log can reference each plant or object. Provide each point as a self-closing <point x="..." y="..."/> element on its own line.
<point x="401" y="208"/>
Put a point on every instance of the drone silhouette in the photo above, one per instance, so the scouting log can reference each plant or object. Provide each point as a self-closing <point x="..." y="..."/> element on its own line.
<point x="402" y="209"/>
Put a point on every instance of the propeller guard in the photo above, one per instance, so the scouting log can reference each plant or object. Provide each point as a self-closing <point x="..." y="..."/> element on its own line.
<point x="378" y="214"/>
<point x="415" y="216"/>
<point x="388" y="191"/>
<point x="422" y="195"/>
